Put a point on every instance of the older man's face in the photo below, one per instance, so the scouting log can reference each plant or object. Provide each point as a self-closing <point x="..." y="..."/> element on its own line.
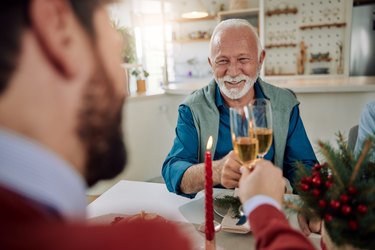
<point x="101" y="113"/>
<point x="235" y="62"/>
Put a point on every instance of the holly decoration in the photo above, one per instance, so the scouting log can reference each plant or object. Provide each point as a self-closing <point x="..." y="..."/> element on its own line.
<point x="342" y="193"/>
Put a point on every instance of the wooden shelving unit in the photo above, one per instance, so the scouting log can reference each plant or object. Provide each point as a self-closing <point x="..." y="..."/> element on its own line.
<point x="323" y="25"/>
<point x="282" y="11"/>
<point x="282" y="45"/>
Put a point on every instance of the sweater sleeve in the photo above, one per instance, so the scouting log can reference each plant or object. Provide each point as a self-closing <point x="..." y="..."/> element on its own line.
<point x="272" y="231"/>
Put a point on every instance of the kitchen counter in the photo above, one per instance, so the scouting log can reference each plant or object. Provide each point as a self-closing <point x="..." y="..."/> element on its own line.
<point x="298" y="85"/>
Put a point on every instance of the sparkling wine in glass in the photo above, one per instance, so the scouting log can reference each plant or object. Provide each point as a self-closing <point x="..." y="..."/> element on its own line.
<point x="263" y="120"/>
<point x="245" y="142"/>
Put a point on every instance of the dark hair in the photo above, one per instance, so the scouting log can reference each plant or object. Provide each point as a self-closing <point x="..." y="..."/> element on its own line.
<point x="14" y="20"/>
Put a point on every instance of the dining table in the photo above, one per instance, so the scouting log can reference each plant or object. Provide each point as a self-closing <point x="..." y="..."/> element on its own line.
<point x="127" y="198"/>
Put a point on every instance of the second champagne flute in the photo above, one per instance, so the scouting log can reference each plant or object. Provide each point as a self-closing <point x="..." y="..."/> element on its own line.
<point x="263" y="119"/>
<point x="245" y="142"/>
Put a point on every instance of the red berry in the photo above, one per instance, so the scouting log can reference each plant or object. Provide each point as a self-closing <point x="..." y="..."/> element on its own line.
<point x="362" y="208"/>
<point x="316" y="181"/>
<point x="344" y="198"/>
<point x="335" y="204"/>
<point x="330" y="177"/>
<point x="346" y="209"/>
<point x="328" y="184"/>
<point x="328" y="217"/>
<point x="352" y="190"/>
<point x="316" y="192"/>
<point x="317" y="167"/>
<point x="353" y="225"/>
<point x="305" y="187"/>
<point x="322" y="203"/>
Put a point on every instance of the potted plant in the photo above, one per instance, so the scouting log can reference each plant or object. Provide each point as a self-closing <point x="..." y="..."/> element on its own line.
<point x="141" y="75"/>
<point x="128" y="52"/>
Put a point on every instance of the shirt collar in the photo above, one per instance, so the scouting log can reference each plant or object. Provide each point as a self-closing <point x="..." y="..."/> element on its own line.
<point x="33" y="171"/>
<point x="257" y="91"/>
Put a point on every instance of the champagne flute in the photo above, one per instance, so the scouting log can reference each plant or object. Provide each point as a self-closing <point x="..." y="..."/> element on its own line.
<point x="245" y="142"/>
<point x="263" y="120"/>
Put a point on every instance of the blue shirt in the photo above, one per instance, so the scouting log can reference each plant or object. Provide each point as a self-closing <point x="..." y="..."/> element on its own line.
<point x="184" y="152"/>
<point x="366" y="127"/>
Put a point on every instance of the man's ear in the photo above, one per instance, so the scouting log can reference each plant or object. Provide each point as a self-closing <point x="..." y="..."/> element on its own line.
<point x="262" y="56"/>
<point x="57" y="29"/>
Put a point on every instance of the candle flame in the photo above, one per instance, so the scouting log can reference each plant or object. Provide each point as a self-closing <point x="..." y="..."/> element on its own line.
<point x="209" y="143"/>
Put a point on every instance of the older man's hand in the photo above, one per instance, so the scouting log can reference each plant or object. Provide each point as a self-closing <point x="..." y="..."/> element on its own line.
<point x="230" y="174"/>
<point x="308" y="226"/>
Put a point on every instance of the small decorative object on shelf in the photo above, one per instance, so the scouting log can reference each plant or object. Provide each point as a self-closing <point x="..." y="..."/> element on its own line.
<point x="301" y="58"/>
<point x="320" y="57"/>
<point x="141" y="75"/>
<point x="341" y="193"/>
<point x="281" y="45"/>
<point x="287" y="10"/>
<point x="340" y="64"/>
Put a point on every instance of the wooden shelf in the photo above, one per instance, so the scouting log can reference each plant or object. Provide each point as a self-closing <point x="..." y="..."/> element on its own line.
<point x="187" y="20"/>
<point x="282" y="11"/>
<point x="323" y="25"/>
<point x="282" y="45"/>
<point x="320" y="60"/>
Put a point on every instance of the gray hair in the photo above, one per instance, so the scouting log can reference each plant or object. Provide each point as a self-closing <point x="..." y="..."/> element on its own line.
<point x="235" y="23"/>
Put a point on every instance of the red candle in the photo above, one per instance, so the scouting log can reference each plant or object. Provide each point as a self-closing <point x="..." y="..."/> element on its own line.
<point x="209" y="230"/>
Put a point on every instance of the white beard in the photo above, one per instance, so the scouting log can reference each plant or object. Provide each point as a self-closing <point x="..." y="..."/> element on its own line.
<point x="236" y="93"/>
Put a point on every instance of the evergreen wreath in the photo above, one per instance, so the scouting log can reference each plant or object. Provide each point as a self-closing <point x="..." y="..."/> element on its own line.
<point x="341" y="192"/>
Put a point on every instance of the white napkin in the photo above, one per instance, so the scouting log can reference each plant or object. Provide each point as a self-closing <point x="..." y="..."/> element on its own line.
<point x="229" y="221"/>
<point x="228" y="224"/>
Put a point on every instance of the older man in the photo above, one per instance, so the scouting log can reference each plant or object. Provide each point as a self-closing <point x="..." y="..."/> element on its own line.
<point x="61" y="98"/>
<point x="236" y="57"/>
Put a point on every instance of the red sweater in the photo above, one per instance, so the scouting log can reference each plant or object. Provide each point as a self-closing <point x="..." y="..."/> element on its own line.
<point x="272" y="231"/>
<point x="27" y="225"/>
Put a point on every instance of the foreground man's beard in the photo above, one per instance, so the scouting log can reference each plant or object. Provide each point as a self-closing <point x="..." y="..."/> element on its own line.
<point x="100" y="129"/>
<point x="236" y="93"/>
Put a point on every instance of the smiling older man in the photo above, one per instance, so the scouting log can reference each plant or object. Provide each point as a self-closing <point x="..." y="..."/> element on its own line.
<point x="236" y="57"/>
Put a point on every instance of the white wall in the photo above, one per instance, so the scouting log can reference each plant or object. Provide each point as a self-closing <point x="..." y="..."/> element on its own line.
<point x="325" y="114"/>
<point x="150" y="123"/>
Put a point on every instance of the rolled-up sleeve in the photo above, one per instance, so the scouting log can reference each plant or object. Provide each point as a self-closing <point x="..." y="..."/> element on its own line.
<point x="184" y="152"/>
